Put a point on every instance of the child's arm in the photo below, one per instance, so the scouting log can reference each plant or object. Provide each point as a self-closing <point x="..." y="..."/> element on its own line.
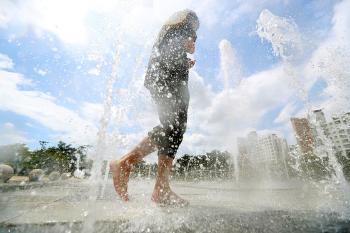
<point x="173" y="56"/>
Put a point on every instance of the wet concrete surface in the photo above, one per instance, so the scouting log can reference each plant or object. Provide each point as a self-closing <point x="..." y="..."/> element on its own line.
<point x="217" y="206"/>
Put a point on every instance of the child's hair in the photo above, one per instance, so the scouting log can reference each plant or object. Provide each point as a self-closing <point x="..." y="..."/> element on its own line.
<point x="186" y="19"/>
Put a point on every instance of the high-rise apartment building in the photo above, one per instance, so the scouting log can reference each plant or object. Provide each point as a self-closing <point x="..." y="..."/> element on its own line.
<point x="264" y="151"/>
<point x="304" y="134"/>
<point x="310" y="135"/>
<point x="337" y="130"/>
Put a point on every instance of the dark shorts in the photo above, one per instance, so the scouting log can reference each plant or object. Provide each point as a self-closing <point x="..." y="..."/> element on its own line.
<point x="172" y="112"/>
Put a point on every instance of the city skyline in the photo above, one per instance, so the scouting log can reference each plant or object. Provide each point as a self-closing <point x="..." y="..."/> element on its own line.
<point x="315" y="136"/>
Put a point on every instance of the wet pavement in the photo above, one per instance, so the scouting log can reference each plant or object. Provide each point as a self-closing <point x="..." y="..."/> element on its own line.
<point x="220" y="206"/>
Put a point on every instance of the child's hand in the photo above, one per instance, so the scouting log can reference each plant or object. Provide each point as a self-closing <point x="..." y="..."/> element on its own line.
<point x="190" y="63"/>
<point x="190" y="45"/>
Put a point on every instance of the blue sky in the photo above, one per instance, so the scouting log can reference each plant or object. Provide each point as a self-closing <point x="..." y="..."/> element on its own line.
<point x="56" y="58"/>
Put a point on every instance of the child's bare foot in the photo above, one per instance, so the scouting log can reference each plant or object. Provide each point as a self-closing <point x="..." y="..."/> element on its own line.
<point x="168" y="198"/>
<point x="120" y="172"/>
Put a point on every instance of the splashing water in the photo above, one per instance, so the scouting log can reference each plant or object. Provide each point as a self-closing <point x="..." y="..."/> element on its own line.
<point x="99" y="178"/>
<point x="231" y="74"/>
<point x="334" y="68"/>
<point x="284" y="36"/>
<point x="230" y="67"/>
<point x="79" y="173"/>
<point x="96" y="173"/>
<point x="282" y="33"/>
<point x="104" y="122"/>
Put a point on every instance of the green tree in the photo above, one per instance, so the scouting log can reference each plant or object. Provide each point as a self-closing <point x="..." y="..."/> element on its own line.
<point x="214" y="164"/>
<point x="62" y="157"/>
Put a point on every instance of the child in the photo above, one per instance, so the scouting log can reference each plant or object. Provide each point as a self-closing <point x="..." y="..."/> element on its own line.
<point x="167" y="80"/>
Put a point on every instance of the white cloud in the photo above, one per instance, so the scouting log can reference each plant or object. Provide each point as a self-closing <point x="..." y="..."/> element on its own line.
<point x="43" y="109"/>
<point x="9" y="134"/>
<point x="63" y="18"/>
<point x="94" y="71"/>
<point x="286" y="113"/>
<point x="8" y="125"/>
<point x="91" y="111"/>
<point x="6" y="12"/>
<point x="135" y="21"/>
<point x="216" y="119"/>
<point x="40" y="72"/>
<point x="5" y="62"/>
<point x="249" y="8"/>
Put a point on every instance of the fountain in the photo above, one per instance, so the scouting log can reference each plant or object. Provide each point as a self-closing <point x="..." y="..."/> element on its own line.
<point x="79" y="173"/>
<point x="217" y="204"/>
<point x="231" y="75"/>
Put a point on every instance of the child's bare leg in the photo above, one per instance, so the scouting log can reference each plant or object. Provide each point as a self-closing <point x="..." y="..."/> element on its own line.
<point x="162" y="193"/>
<point x="121" y="168"/>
